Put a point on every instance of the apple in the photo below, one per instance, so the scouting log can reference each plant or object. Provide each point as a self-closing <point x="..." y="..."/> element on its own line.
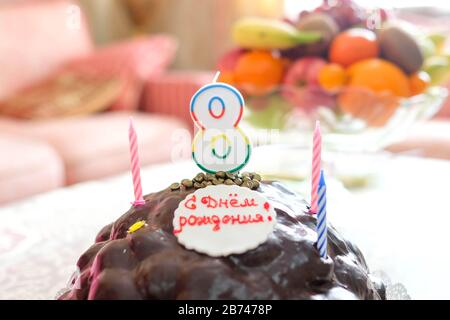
<point x="228" y="61"/>
<point x="301" y="85"/>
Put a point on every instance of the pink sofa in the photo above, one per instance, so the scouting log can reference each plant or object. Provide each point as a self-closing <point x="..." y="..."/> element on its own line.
<point x="96" y="146"/>
<point x="38" y="156"/>
<point x="27" y="166"/>
<point x="35" y="41"/>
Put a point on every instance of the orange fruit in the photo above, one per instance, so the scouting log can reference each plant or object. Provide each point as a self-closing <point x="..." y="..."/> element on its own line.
<point x="258" y="72"/>
<point x="226" y="77"/>
<point x="332" y="76"/>
<point x="373" y="107"/>
<point x="353" y="45"/>
<point x="380" y="76"/>
<point x="418" y="82"/>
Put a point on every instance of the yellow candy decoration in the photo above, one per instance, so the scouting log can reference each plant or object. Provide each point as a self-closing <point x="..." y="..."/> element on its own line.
<point x="136" y="226"/>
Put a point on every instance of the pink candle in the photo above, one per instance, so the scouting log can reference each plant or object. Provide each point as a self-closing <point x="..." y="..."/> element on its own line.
<point x="316" y="167"/>
<point x="135" y="166"/>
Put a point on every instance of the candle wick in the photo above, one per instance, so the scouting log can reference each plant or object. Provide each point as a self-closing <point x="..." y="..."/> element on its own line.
<point x="130" y="124"/>
<point x="317" y="126"/>
<point x="216" y="77"/>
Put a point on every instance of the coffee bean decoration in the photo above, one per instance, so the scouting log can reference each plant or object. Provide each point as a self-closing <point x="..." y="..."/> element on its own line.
<point x="256" y="176"/>
<point x="200" y="177"/>
<point x="245" y="174"/>
<point x="197" y="185"/>
<point x="187" y="183"/>
<point x="244" y="179"/>
<point x="230" y="175"/>
<point x="221" y="174"/>
<point x="229" y="182"/>
<point x="174" y="186"/>
<point x="201" y="180"/>
<point x="247" y="184"/>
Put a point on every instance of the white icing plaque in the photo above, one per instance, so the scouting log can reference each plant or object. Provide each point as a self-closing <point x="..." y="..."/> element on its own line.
<point x="222" y="220"/>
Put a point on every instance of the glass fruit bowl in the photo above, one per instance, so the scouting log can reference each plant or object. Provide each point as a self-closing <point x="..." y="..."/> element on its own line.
<point x="356" y="120"/>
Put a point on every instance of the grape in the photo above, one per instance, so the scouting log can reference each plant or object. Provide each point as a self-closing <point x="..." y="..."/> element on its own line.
<point x="346" y="13"/>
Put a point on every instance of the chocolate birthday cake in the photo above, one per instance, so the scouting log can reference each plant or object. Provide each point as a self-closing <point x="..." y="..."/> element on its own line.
<point x="139" y="257"/>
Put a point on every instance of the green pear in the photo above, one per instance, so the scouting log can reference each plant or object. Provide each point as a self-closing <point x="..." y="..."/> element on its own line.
<point x="439" y="40"/>
<point x="427" y="46"/>
<point x="438" y="68"/>
<point x="268" y="112"/>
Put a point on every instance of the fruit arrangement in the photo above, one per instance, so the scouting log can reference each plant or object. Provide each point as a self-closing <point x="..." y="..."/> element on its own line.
<point x="332" y="58"/>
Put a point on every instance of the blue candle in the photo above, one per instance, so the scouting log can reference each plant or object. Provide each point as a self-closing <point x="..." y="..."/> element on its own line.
<point x="322" y="217"/>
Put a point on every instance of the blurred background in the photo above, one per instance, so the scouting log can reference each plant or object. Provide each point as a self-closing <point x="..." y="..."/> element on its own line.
<point x="375" y="73"/>
<point x="72" y="72"/>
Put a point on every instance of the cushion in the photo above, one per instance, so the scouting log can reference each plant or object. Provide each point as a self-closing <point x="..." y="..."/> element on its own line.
<point x="97" y="146"/>
<point x="27" y="167"/>
<point x="134" y="61"/>
<point x="171" y="93"/>
<point x="37" y="37"/>
<point x="110" y="78"/>
<point x="63" y="94"/>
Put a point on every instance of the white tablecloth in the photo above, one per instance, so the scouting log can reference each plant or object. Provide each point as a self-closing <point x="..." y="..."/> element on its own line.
<point x="400" y="223"/>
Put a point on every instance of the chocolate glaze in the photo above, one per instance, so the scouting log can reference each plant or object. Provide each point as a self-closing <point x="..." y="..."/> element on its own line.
<point x="151" y="264"/>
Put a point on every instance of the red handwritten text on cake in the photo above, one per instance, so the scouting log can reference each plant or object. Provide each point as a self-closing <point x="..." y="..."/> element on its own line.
<point x="219" y="217"/>
<point x="211" y="202"/>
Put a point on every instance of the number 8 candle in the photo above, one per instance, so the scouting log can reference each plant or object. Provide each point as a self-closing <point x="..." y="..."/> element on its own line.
<point x="220" y="145"/>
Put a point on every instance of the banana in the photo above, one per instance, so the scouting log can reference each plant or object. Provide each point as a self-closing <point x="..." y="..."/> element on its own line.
<point x="263" y="33"/>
